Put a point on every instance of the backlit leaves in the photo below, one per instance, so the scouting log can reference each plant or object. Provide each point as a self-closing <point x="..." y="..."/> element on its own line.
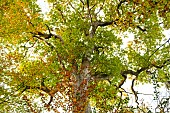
<point x="34" y="66"/>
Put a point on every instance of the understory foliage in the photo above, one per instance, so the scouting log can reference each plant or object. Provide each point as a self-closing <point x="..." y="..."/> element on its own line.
<point x="74" y="56"/>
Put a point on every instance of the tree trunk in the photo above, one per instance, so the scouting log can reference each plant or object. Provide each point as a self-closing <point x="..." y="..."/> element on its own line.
<point x="81" y="102"/>
<point x="80" y="97"/>
<point x="88" y="109"/>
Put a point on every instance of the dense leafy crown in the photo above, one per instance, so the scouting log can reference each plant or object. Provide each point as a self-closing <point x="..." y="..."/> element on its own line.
<point x="75" y="56"/>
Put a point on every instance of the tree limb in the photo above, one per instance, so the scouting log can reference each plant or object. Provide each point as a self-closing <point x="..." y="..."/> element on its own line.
<point x="102" y="24"/>
<point x="99" y="23"/>
<point x="47" y="36"/>
<point x="136" y="73"/>
<point x="134" y="92"/>
<point x="42" y="88"/>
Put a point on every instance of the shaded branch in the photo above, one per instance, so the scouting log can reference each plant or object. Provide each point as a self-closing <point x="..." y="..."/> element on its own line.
<point x="39" y="36"/>
<point x="97" y="49"/>
<point x="53" y="48"/>
<point x="93" y="6"/>
<point x="142" y="29"/>
<point x="136" y="73"/>
<point x="48" y="29"/>
<point x="42" y="88"/>
<point x="101" y="76"/>
<point x="82" y="2"/>
<point x="134" y="92"/>
<point x="119" y="5"/>
<point x="163" y="64"/>
<point x="47" y="36"/>
<point x="99" y="23"/>
<point x="62" y="15"/>
<point x="88" y="8"/>
<point x="122" y="81"/>
<point x="87" y="1"/>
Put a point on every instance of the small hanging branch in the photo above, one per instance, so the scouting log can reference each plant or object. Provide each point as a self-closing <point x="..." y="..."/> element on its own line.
<point x="42" y="36"/>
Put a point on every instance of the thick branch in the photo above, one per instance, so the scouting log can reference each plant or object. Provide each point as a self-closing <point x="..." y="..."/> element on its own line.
<point x="101" y="76"/>
<point x="136" y="73"/>
<point x="47" y="36"/>
<point x="134" y="92"/>
<point x="99" y="23"/>
<point x="105" y="23"/>
<point x="48" y="29"/>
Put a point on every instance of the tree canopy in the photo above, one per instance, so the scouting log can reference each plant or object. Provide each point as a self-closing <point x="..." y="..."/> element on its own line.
<point x="74" y="57"/>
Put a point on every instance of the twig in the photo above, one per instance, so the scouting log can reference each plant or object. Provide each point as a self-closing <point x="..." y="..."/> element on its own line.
<point x="75" y="10"/>
<point x="88" y="8"/>
<point x="158" y="48"/>
<point x="101" y="7"/>
<point x="93" y="6"/>
<point x="119" y="5"/>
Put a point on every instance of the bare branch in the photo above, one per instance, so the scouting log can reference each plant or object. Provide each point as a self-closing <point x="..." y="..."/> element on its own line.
<point x="42" y="88"/>
<point x="47" y="36"/>
<point x="39" y="35"/>
<point x="100" y="76"/>
<point x="59" y="37"/>
<point x="62" y="15"/>
<point x="93" y="6"/>
<point x="102" y="24"/>
<point x="101" y="7"/>
<point x="134" y="92"/>
<point x="142" y="29"/>
<point x="136" y="73"/>
<point x="122" y="81"/>
<point x="159" y="48"/>
<point x="48" y="28"/>
<point x="48" y="104"/>
<point x="83" y="4"/>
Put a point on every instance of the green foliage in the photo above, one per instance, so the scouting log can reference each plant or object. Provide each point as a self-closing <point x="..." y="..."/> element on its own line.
<point x="84" y="45"/>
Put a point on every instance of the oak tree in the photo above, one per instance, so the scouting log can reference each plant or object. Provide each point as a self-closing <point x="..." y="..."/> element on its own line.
<point x="75" y="58"/>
